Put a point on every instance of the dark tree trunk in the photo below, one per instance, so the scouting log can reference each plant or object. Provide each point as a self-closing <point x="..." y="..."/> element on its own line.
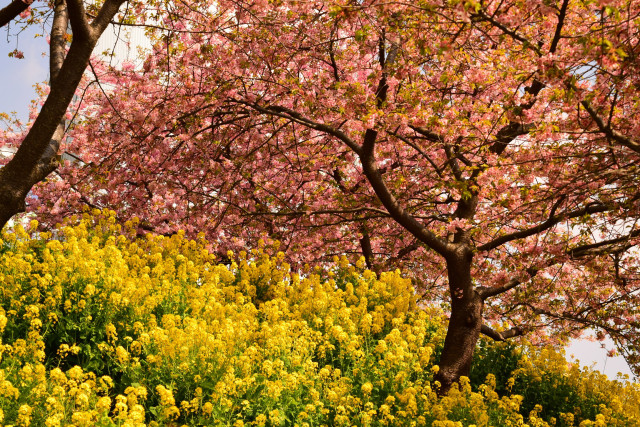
<point x="465" y="322"/>
<point x="11" y="203"/>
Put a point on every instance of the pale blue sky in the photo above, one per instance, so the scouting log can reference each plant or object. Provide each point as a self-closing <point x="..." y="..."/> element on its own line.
<point x="18" y="76"/>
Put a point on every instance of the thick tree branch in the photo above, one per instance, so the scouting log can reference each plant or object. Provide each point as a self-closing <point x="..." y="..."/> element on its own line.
<point x="490" y="292"/>
<point x="58" y="39"/>
<point x="57" y="47"/>
<point x="79" y="23"/>
<point x="514" y="129"/>
<point x="388" y="200"/>
<point x="486" y="292"/>
<point x="453" y="162"/>
<point x="389" y="263"/>
<point x="602" y="126"/>
<point x="507" y="134"/>
<point x="501" y="336"/>
<point x="558" y="33"/>
<point x="609" y="246"/>
<point x="452" y="155"/>
<point x="13" y="9"/>
<point x="431" y="136"/>
<point x="332" y="56"/>
<point x="618" y="245"/>
<point x="574" y="318"/>
<point x="386" y="60"/>
<point x="106" y="13"/>
<point x="54" y="108"/>
<point x="550" y="222"/>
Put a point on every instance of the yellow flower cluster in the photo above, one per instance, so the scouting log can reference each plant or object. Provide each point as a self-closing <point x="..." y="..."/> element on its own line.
<point x="546" y="369"/>
<point x="100" y="328"/>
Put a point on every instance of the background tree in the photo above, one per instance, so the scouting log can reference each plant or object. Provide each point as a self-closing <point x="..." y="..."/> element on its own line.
<point x="487" y="147"/>
<point x="37" y="150"/>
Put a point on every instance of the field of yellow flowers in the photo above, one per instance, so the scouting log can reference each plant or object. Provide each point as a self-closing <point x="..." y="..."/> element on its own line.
<point x="98" y="328"/>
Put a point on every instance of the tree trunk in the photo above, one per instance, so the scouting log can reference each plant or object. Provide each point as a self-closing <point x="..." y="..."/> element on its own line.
<point x="465" y="322"/>
<point x="11" y="202"/>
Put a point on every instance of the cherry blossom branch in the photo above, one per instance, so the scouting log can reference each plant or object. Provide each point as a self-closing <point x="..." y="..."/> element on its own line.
<point x="322" y="212"/>
<point x="505" y="135"/>
<point x="578" y="319"/>
<point x="453" y="162"/>
<point x="606" y="129"/>
<point x="431" y="136"/>
<point x="385" y="62"/>
<point x="419" y="150"/>
<point x="332" y="56"/>
<point x="553" y="219"/>
<point x="287" y="113"/>
<point x="486" y="292"/>
<point x="388" y="200"/>
<point x="452" y="155"/>
<point x="401" y="254"/>
<point x="13" y="9"/>
<point x="598" y="248"/>
<point x="514" y="129"/>
<point x="482" y="16"/>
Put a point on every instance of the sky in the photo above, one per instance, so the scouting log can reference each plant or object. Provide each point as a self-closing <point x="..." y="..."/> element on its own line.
<point x="594" y="354"/>
<point x="20" y="75"/>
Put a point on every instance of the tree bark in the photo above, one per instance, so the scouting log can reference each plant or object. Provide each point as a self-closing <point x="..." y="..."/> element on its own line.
<point x="13" y="9"/>
<point x="57" y="50"/>
<point x="465" y="322"/>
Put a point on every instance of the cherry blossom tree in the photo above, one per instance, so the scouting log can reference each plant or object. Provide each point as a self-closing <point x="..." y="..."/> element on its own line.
<point x="488" y="148"/>
<point x="36" y="154"/>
